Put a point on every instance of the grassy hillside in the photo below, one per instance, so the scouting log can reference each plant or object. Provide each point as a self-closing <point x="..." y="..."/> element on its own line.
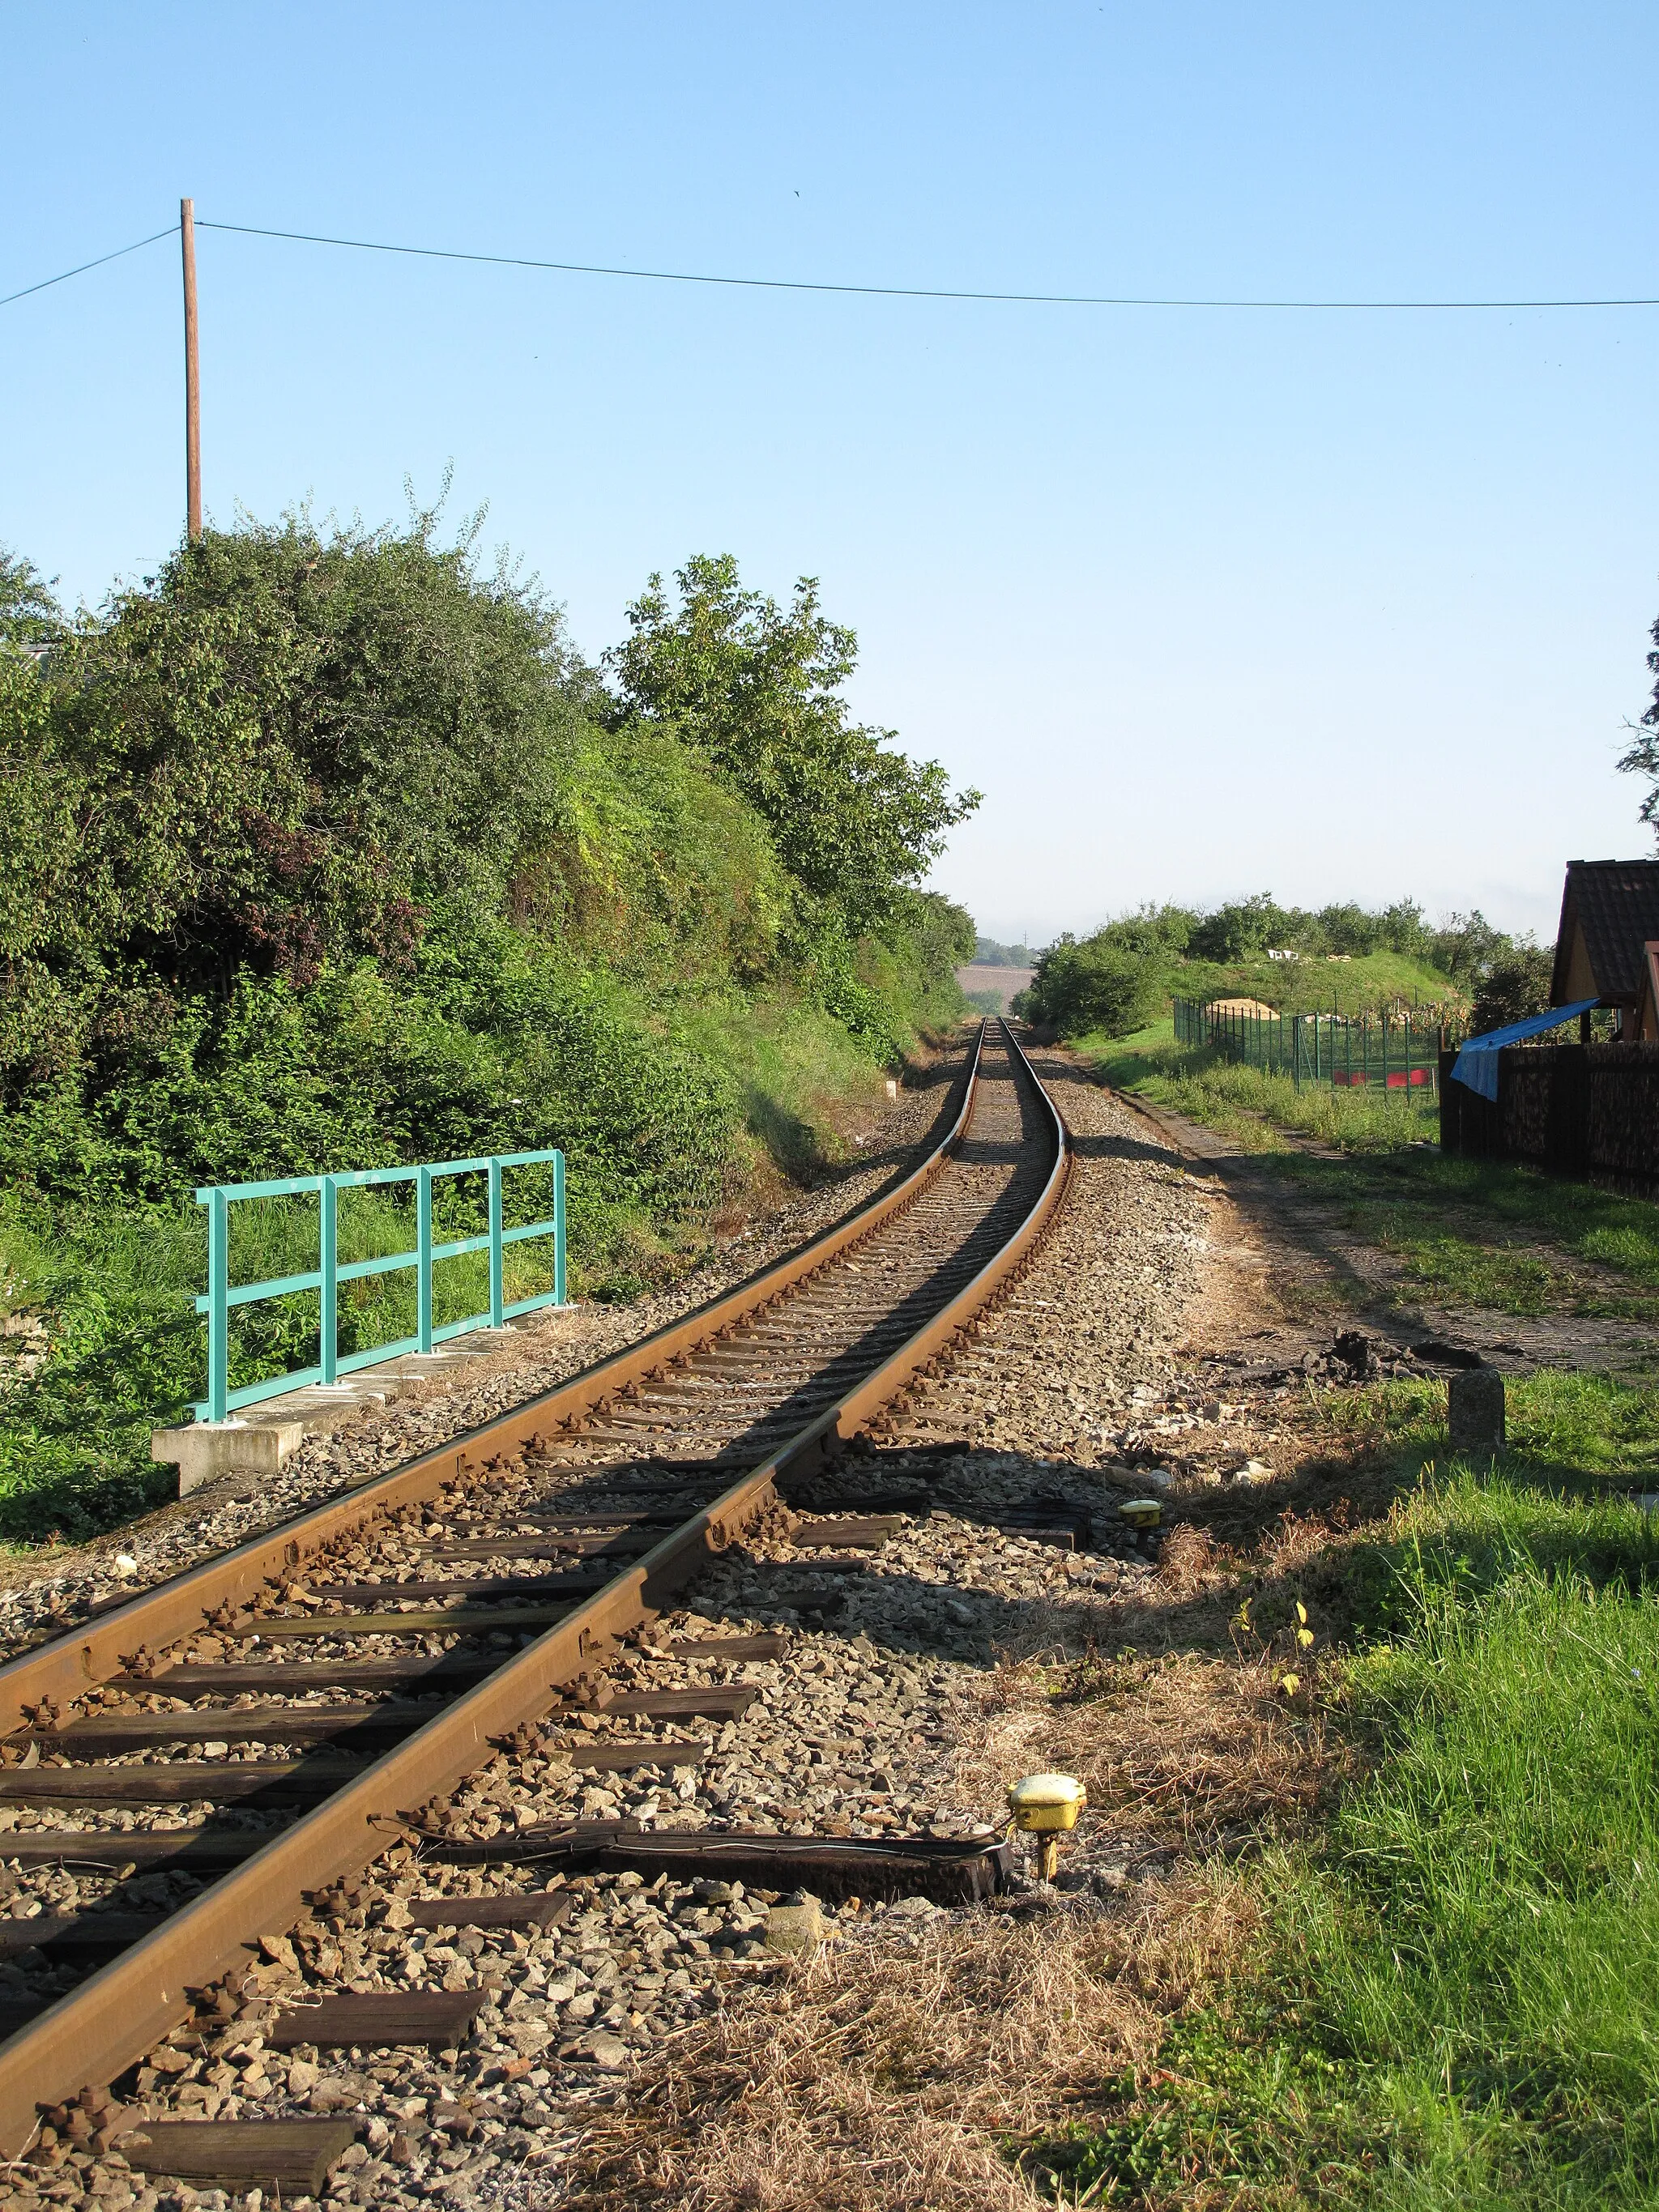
<point x="1362" y="983"/>
<point x="1121" y="978"/>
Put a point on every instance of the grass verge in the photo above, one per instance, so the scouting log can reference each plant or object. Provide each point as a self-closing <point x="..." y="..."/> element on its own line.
<point x="1468" y="1233"/>
<point x="1451" y="1998"/>
<point x="1388" y="1940"/>
<point x="102" y="1342"/>
<point x="1256" y="1109"/>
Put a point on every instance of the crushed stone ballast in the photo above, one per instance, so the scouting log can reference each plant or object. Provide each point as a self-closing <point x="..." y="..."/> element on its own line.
<point x="456" y="1669"/>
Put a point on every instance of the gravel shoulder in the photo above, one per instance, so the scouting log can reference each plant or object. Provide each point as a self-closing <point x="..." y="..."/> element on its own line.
<point x="914" y="1683"/>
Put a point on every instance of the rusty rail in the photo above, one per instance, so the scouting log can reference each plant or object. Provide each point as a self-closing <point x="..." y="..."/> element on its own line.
<point x="118" y="2013"/>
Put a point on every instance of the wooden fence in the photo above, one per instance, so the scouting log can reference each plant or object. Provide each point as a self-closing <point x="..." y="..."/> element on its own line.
<point x="1590" y="1111"/>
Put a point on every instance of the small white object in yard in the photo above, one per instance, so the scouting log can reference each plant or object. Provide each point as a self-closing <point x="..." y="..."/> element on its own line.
<point x="125" y="1563"/>
<point x="893" y="1087"/>
<point x="1254" y="1470"/>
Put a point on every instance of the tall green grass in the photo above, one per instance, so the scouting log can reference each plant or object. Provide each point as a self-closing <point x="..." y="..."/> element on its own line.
<point x="1453" y="2005"/>
<point x="1477" y="1933"/>
<point x="1254" y="1107"/>
<point x="115" y="1289"/>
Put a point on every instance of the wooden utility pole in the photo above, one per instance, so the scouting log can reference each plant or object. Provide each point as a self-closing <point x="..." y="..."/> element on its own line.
<point x="193" y="376"/>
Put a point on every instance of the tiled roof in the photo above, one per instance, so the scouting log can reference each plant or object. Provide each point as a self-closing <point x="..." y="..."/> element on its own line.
<point x="1616" y="903"/>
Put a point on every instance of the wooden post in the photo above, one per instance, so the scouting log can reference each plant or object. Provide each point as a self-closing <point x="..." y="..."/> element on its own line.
<point x="192" y="377"/>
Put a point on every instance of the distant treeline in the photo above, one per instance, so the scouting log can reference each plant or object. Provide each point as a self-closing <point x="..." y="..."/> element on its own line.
<point x="989" y="954"/>
<point x="1122" y="975"/>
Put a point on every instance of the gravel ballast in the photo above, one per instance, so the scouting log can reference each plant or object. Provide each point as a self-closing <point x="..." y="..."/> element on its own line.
<point x="879" y="1718"/>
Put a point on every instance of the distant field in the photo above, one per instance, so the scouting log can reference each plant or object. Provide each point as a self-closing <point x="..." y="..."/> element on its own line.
<point x="979" y="982"/>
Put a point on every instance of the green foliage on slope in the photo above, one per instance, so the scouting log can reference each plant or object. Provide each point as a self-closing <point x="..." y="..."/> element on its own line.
<point x="327" y="849"/>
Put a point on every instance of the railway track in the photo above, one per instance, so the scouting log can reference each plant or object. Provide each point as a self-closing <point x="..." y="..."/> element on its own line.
<point x="237" y="1746"/>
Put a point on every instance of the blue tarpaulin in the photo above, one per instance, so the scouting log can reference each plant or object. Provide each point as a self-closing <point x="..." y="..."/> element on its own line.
<point x="1476" y="1064"/>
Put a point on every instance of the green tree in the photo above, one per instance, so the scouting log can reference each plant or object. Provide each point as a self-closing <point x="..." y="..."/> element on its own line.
<point x="1515" y="985"/>
<point x="1643" y="758"/>
<point x="1465" y="947"/>
<point x="755" y="687"/>
<point x="1096" y="986"/>
<point x="29" y="613"/>
<point x="1246" y="927"/>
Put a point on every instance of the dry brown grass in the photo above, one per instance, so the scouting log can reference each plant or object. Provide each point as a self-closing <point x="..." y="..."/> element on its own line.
<point x="1188" y="1754"/>
<point x="875" y="2079"/>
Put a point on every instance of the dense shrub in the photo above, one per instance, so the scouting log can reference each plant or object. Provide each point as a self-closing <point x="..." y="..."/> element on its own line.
<point x="326" y="850"/>
<point x="1098" y="985"/>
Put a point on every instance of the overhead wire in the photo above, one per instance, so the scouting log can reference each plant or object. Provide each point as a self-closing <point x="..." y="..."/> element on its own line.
<point x="908" y="291"/>
<point x="45" y="284"/>
<point x="862" y="291"/>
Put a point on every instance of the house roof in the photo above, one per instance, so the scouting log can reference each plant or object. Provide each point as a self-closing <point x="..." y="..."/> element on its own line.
<point x="1615" y="906"/>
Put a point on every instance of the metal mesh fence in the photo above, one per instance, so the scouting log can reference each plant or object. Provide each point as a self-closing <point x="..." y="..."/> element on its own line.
<point x="1399" y="1052"/>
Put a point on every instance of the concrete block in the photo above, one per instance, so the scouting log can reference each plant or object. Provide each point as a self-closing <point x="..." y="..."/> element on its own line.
<point x="1474" y="1410"/>
<point x="204" y="1450"/>
<point x="322" y="1408"/>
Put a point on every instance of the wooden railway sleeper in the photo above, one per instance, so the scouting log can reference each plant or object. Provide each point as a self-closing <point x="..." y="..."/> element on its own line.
<point x="121" y="2011"/>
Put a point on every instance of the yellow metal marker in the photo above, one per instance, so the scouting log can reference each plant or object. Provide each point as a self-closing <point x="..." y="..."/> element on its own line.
<point x="1046" y="1806"/>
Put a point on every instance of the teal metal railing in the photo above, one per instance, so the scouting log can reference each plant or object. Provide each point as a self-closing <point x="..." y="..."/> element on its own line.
<point x="1402" y="1052"/>
<point x="223" y="1296"/>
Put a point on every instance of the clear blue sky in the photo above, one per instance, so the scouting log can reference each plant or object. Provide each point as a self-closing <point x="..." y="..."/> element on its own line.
<point x="1207" y="602"/>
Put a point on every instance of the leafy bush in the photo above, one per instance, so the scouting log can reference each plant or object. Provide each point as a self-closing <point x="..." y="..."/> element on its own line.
<point x="1098" y="985"/>
<point x="328" y="850"/>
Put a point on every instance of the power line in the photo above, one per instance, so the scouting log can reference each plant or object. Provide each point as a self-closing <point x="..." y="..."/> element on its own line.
<point x="47" y="281"/>
<point x="908" y="291"/>
<point x="862" y="291"/>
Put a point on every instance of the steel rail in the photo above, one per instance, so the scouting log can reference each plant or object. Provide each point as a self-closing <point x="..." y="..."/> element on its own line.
<point x="111" y="2020"/>
<point x="70" y="1665"/>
